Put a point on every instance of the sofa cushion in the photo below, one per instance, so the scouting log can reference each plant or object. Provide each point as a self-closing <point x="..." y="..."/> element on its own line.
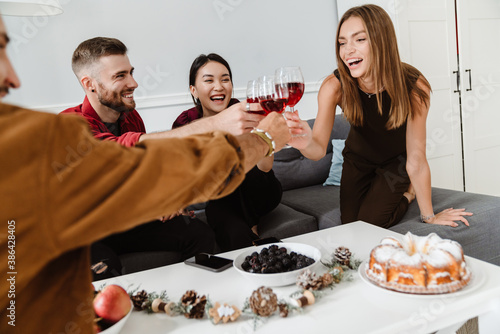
<point x="302" y="172"/>
<point x="284" y="222"/>
<point x="479" y="240"/>
<point x="337" y="160"/>
<point x="317" y="201"/>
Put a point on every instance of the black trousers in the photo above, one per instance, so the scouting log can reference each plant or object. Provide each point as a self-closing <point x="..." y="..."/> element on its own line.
<point x="189" y="236"/>
<point x="233" y="216"/>
<point x="374" y="193"/>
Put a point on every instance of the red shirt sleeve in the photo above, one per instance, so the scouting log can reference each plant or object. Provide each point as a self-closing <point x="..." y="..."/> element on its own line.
<point x="127" y="139"/>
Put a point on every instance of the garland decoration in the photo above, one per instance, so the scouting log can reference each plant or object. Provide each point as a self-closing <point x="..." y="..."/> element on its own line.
<point x="219" y="312"/>
<point x="262" y="303"/>
<point x="143" y="300"/>
<point x="308" y="280"/>
<point x="191" y="305"/>
<point x="339" y="269"/>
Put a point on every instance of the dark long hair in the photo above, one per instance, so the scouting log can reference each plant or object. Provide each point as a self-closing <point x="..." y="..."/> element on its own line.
<point x="199" y="62"/>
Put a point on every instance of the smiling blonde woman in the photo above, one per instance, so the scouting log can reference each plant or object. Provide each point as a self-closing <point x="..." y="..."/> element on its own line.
<point x="386" y="102"/>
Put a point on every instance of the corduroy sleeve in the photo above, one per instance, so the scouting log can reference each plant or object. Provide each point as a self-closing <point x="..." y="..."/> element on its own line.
<point x="99" y="187"/>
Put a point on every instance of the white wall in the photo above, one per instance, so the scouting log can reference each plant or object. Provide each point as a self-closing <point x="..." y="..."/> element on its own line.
<point x="164" y="37"/>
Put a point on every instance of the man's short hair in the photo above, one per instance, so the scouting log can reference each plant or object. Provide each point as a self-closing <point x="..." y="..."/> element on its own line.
<point x="91" y="50"/>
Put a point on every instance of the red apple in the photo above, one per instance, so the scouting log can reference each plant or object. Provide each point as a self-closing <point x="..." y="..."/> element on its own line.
<point x="112" y="303"/>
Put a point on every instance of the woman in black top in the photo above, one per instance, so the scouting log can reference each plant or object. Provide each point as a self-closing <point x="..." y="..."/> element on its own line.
<point x="386" y="102"/>
<point x="234" y="218"/>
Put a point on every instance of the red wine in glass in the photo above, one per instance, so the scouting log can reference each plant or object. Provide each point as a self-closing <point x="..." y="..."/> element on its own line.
<point x="276" y="105"/>
<point x="272" y="97"/>
<point x="252" y="100"/>
<point x="295" y="92"/>
<point x="253" y="96"/>
<point x="291" y="77"/>
<point x="258" y="112"/>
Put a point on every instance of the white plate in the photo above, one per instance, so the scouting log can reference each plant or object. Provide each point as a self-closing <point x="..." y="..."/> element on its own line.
<point x="476" y="280"/>
<point x="278" y="279"/>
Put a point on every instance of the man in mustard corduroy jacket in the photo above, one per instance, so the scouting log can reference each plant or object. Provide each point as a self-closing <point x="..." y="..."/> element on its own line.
<point x="59" y="186"/>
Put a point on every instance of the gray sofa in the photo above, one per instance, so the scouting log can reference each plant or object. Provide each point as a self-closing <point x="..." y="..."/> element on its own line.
<point x="317" y="206"/>
<point x="307" y="206"/>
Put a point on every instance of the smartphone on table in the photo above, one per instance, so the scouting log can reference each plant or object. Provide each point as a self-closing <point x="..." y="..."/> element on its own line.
<point x="209" y="262"/>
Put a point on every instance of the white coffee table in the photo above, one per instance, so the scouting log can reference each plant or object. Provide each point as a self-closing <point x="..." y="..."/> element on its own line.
<point x="352" y="307"/>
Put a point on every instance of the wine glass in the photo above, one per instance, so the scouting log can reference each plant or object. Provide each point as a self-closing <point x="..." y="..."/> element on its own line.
<point x="253" y="95"/>
<point x="272" y="96"/>
<point x="252" y="91"/>
<point x="292" y="78"/>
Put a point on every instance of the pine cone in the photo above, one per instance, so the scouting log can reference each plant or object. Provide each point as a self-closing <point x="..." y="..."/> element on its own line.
<point x="263" y="301"/>
<point x="188" y="298"/>
<point x="343" y="256"/>
<point x="309" y="280"/>
<point x="194" y="305"/>
<point x="326" y="280"/>
<point x="140" y="300"/>
<point x="198" y="309"/>
<point x="283" y="310"/>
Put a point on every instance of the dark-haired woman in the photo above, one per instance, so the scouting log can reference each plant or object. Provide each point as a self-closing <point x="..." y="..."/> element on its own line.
<point x="234" y="218"/>
<point x="386" y="102"/>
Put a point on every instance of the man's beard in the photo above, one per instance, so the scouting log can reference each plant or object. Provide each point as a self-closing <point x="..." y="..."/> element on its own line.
<point x="114" y="100"/>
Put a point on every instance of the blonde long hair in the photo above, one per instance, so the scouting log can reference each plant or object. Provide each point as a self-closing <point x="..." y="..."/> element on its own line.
<point x="397" y="78"/>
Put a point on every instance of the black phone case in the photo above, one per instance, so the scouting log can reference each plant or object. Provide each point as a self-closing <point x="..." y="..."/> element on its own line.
<point x="192" y="262"/>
